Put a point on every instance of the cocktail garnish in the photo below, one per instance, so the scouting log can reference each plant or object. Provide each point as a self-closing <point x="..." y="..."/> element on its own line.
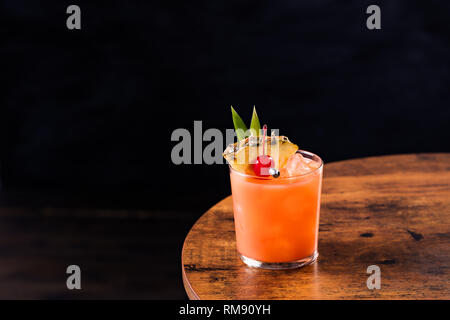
<point x="239" y="125"/>
<point x="264" y="165"/>
<point x="255" y="126"/>
<point x="271" y="152"/>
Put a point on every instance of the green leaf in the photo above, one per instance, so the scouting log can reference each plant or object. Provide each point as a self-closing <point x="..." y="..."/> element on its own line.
<point x="255" y="126"/>
<point x="239" y="125"/>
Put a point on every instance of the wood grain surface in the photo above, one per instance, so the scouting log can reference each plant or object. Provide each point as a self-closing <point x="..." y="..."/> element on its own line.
<point x="389" y="211"/>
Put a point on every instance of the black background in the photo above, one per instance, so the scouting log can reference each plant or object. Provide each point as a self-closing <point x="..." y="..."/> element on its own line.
<point x="87" y="115"/>
<point x="92" y="111"/>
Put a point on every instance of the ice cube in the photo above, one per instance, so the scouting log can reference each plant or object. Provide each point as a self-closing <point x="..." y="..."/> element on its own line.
<point x="314" y="164"/>
<point x="297" y="165"/>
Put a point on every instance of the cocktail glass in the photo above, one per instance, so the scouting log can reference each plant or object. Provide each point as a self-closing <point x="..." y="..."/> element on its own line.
<point x="277" y="219"/>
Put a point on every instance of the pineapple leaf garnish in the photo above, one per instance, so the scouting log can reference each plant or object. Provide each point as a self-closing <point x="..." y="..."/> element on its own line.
<point x="255" y="126"/>
<point x="239" y="125"/>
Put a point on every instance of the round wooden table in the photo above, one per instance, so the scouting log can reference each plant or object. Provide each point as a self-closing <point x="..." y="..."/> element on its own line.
<point x="389" y="211"/>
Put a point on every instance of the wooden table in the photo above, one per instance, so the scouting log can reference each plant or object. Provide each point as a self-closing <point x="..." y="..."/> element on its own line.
<point x="122" y="253"/>
<point x="389" y="211"/>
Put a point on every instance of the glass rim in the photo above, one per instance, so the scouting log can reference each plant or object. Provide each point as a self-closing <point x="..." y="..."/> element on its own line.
<point x="270" y="178"/>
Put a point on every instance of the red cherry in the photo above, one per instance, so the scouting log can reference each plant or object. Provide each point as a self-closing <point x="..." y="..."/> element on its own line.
<point x="262" y="165"/>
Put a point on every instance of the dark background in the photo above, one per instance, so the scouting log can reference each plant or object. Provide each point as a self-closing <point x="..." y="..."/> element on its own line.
<point x="87" y="115"/>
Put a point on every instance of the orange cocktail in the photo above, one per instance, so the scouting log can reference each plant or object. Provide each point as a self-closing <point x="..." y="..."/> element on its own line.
<point x="277" y="220"/>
